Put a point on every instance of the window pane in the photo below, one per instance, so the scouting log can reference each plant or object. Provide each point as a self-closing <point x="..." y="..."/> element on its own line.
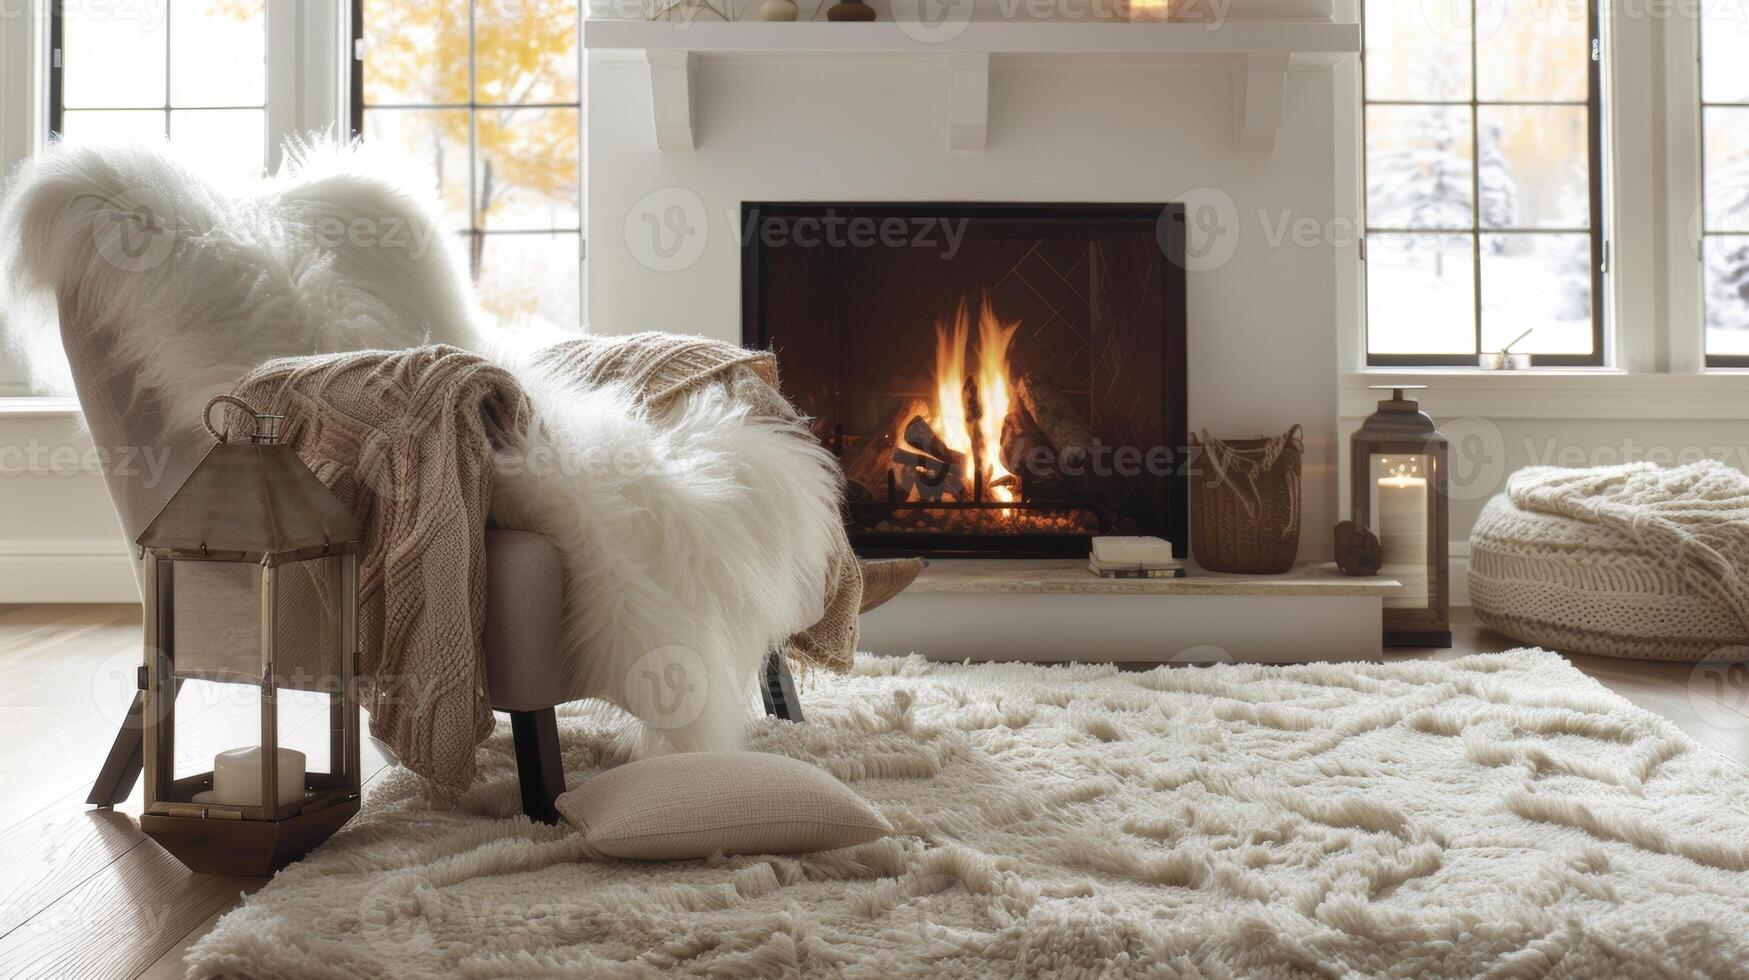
<point x="1724" y="51"/>
<point x="416" y="52"/>
<point x="1420" y="294"/>
<point x="113" y="124"/>
<point x="430" y="147"/>
<point x="1418" y="167"/>
<point x="525" y="51"/>
<point x="1416" y="52"/>
<point x="220" y="51"/>
<point x="113" y="56"/>
<point x="522" y="276"/>
<point x="231" y="142"/>
<point x="1727" y="295"/>
<point x="1534" y="167"/>
<point x="1727" y="169"/>
<point x="527" y="169"/>
<point x="1531" y="51"/>
<point x="1540" y="283"/>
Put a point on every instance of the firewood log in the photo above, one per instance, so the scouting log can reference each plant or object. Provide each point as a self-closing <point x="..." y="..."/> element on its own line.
<point x="919" y="434"/>
<point x="934" y="479"/>
<point x="869" y="462"/>
<point x="1050" y="411"/>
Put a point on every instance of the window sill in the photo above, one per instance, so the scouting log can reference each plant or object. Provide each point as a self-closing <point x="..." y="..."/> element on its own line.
<point x="38" y="407"/>
<point x="1556" y="393"/>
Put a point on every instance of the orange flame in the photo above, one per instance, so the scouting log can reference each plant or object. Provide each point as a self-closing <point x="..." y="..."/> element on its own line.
<point x="952" y="345"/>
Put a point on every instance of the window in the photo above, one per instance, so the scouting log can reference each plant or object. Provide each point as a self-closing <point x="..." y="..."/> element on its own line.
<point x="481" y="98"/>
<point x="1724" y="227"/>
<point x="1483" y="181"/>
<point x="192" y="70"/>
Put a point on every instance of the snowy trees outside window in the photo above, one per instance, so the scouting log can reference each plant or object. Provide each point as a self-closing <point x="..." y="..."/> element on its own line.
<point x="1724" y="231"/>
<point x="1481" y="221"/>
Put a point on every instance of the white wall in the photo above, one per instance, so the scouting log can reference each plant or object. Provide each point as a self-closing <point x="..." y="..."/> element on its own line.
<point x="1262" y="345"/>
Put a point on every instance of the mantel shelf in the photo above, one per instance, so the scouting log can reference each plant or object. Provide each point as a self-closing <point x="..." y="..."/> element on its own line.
<point x="1260" y="53"/>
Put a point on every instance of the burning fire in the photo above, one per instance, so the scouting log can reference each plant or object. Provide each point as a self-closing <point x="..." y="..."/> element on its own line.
<point x="970" y="408"/>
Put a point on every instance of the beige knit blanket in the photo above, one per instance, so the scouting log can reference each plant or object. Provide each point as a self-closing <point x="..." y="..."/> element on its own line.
<point x="405" y="439"/>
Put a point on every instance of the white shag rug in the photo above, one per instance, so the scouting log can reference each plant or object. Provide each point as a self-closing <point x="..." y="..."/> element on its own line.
<point x="1499" y="816"/>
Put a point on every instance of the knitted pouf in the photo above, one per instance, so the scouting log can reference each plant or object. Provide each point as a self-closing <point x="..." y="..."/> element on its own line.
<point x="1574" y="586"/>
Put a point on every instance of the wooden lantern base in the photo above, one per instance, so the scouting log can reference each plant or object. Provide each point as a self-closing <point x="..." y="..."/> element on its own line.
<point x="252" y="848"/>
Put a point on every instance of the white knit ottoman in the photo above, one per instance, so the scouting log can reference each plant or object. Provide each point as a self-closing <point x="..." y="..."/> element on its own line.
<point x="1580" y="587"/>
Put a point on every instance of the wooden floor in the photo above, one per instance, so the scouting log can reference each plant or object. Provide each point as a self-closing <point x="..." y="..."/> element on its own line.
<point x="84" y="894"/>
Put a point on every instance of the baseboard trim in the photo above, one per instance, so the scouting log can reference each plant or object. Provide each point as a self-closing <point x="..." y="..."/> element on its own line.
<point x="65" y="571"/>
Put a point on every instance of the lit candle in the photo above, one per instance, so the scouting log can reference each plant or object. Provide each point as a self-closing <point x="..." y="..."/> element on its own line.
<point x="237" y="776"/>
<point x="1402" y="527"/>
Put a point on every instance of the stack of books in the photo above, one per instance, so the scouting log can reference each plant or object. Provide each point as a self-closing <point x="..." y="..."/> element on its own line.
<point x="1137" y="557"/>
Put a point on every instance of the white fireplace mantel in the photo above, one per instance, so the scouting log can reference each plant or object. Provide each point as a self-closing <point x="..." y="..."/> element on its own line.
<point x="1260" y="53"/>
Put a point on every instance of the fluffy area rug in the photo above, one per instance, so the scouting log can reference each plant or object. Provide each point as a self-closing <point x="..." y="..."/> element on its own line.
<point x="1499" y="816"/>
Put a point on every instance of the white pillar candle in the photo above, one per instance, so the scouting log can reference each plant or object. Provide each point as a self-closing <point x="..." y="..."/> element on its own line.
<point x="237" y="776"/>
<point x="1402" y="526"/>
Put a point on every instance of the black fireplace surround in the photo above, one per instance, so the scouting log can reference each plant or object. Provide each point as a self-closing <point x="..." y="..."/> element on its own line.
<point x="996" y="379"/>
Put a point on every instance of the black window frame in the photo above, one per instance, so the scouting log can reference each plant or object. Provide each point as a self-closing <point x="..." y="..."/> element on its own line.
<point x="57" y="107"/>
<point x="474" y="234"/>
<point x="1711" y="360"/>
<point x="1597" y="233"/>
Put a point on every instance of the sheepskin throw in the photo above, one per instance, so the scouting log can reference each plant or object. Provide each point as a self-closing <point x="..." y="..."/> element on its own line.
<point x="1621" y="561"/>
<point x="404" y="440"/>
<point x="660" y="367"/>
<point x="1498" y="816"/>
<point x="697" y="533"/>
<point x="185" y="286"/>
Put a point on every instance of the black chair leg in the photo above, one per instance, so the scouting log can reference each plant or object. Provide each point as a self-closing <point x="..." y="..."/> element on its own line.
<point x="127" y="756"/>
<point x="779" y="689"/>
<point x="539" y="767"/>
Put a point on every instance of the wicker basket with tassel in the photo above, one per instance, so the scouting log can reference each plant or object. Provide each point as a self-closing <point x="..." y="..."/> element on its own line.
<point x="1245" y="503"/>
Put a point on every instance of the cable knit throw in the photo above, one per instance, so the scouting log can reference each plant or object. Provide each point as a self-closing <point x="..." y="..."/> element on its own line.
<point x="1624" y="561"/>
<point x="404" y="440"/>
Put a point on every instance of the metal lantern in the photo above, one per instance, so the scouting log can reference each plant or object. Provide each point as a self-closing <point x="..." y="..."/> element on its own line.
<point x="251" y="593"/>
<point x="1399" y="491"/>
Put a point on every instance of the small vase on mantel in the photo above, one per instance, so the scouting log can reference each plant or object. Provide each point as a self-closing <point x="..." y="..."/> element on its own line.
<point x="850" y="10"/>
<point x="778" y="10"/>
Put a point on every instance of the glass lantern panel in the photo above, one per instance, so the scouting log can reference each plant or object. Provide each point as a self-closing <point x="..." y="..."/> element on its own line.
<point x="310" y="606"/>
<point x="210" y="717"/>
<point x="215" y="618"/>
<point x="308" y="619"/>
<point x="1400" y="501"/>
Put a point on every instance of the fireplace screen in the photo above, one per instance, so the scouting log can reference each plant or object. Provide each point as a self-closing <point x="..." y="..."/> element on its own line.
<point x="994" y="379"/>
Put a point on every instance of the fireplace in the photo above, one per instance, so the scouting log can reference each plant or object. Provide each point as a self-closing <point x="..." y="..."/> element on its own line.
<point x="995" y="379"/>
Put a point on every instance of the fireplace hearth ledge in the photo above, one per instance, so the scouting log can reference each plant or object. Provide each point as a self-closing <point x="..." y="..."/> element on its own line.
<point x="1056" y="611"/>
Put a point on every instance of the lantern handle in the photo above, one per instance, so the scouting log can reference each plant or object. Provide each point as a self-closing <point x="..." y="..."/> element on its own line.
<point x="206" y="413"/>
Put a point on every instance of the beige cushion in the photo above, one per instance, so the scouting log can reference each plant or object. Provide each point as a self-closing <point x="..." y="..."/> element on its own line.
<point x="697" y="804"/>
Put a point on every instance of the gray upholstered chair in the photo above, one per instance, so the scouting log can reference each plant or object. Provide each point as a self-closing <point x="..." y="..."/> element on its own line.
<point x="524" y="588"/>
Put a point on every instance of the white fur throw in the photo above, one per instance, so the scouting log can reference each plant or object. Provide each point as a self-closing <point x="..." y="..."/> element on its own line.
<point x="694" y="538"/>
<point x="1620" y="561"/>
<point x="188" y="286"/>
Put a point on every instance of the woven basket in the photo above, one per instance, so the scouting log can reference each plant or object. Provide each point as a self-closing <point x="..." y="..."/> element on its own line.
<point x="1245" y="503"/>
